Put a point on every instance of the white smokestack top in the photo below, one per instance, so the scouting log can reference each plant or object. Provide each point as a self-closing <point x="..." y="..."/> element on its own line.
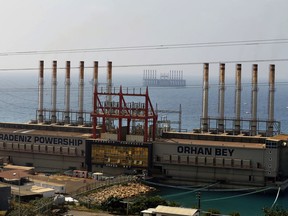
<point x="254" y="100"/>
<point x="221" y="102"/>
<point x="271" y="99"/>
<point x="67" y="93"/>
<point x="238" y="98"/>
<point x="54" y="92"/>
<point x="205" y="97"/>
<point x="81" y="94"/>
<point x="41" y="92"/>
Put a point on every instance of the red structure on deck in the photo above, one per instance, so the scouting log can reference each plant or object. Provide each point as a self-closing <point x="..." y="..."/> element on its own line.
<point x="123" y="111"/>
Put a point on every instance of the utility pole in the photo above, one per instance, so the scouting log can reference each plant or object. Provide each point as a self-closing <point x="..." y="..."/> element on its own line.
<point x="19" y="192"/>
<point x="198" y="196"/>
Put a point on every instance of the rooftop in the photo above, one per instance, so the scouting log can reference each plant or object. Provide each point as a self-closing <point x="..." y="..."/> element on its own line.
<point x="14" y="174"/>
<point x="168" y="210"/>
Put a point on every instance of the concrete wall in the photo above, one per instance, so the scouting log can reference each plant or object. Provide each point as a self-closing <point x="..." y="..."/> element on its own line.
<point x="45" y="159"/>
<point x="196" y="163"/>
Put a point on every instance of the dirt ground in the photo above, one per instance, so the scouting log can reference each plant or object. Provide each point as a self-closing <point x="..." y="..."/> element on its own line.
<point x="83" y="213"/>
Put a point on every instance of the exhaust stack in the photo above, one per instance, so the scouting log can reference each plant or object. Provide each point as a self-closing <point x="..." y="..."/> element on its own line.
<point x="205" y="97"/>
<point x="67" y="93"/>
<point x="109" y="91"/>
<point x="41" y="92"/>
<point x="95" y="83"/>
<point x="81" y="93"/>
<point x="95" y="76"/>
<point x="109" y="82"/>
<point x="221" y="102"/>
<point x="254" y="100"/>
<point x="271" y="100"/>
<point x="237" y="126"/>
<point x="54" y="92"/>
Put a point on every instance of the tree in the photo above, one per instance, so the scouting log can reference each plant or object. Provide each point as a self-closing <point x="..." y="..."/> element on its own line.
<point x="142" y="203"/>
<point x="113" y="204"/>
<point x="211" y="212"/>
<point x="277" y="211"/>
<point x="235" y="214"/>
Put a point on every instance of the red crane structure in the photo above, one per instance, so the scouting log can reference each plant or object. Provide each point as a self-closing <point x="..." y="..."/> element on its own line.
<point x="123" y="110"/>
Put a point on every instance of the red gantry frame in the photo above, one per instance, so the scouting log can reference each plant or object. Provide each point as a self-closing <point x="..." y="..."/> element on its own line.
<point x="121" y="110"/>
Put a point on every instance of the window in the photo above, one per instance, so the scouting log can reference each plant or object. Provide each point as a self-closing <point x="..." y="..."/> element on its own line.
<point x="119" y="155"/>
<point x="271" y="144"/>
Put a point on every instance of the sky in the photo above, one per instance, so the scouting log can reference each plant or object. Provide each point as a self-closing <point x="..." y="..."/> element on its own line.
<point x="176" y="32"/>
<point x="34" y="25"/>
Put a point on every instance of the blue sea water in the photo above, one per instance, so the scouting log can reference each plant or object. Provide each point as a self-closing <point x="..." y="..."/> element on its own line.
<point x="19" y="98"/>
<point x="19" y="101"/>
<point x="248" y="203"/>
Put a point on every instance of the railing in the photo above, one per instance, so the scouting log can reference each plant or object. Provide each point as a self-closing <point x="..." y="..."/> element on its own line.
<point x="103" y="183"/>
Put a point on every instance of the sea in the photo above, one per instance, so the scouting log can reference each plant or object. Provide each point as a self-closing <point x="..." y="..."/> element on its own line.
<point x="19" y="102"/>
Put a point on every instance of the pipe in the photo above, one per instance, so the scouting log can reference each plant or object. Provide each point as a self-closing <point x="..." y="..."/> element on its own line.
<point x="271" y="100"/>
<point x="221" y="102"/>
<point x="205" y="97"/>
<point x="95" y="89"/>
<point x="109" y="82"/>
<point x="54" y="92"/>
<point x="109" y="92"/>
<point x="67" y="93"/>
<point x="180" y="118"/>
<point x="81" y="93"/>
<point x="254" y="99"/>
<point x="238" y="90"/>
<point x="95" y="76"/>
<point x="41" y="92"/>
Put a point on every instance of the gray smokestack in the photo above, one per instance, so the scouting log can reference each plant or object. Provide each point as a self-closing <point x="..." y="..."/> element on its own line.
<point x="271" y="100"/>
<point x="67" y="93"/>
<point x="237" y="99"/>
<point x="54" y="92"/>
<point x="81" y="93"/>
<point x="254" y="100"/>
<point x="221" y="98"/>
<point x="41" y="92"/>
<point x="205" y="97"/>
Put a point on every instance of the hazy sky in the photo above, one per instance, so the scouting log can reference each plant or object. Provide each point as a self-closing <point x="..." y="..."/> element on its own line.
<point x="76" y="24"/>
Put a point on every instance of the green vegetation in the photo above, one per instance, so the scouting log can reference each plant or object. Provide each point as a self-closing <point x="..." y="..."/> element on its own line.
<point x="211" y="212"/>
<point x="32" y="208"/>
<point x="277" y="211"/>
<point x="235" y="214"/>
<point x="121" y="206"/>
<point x="216" y="212"/>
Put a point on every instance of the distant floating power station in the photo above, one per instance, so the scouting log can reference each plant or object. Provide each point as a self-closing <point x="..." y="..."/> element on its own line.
<point x="172" y="78"/>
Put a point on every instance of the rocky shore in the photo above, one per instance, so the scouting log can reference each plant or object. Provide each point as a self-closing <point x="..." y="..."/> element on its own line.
<point x="122" y="191"/>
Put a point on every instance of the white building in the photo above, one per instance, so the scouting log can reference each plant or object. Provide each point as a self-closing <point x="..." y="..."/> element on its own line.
<point x="170" y="211"/>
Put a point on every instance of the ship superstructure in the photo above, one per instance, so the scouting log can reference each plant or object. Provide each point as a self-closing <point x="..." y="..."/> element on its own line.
<point x="173" y="78"/>
<point x="122" y="134"/>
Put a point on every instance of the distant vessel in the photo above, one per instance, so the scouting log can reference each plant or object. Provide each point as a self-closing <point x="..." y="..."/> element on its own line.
<point x="173" y="78"/>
